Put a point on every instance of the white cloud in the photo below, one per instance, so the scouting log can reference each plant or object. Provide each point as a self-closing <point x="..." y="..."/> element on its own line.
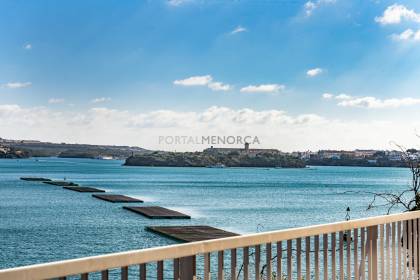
<point x="310" y="6"/>
<point x="396" y="13"/>
<point x="100" y="124"/>
<point x="314" y="72"/>
<point x="274" y="128"/>
<point x="238" y="29"/>
<point x="101" y="99"/>
<point x="371" y="102"/>
<point x="55" y="100"/>
<point x="9" y="109"/>
<point x="407" y="35"/>
<point x="177" y="3"/>
<point x="327" y="96"/>
<point x="343" y="96"/>
<point x="194" y="81"/>
<point x="16" y="85"/>
<point x="218" y="86"/>
<point x="265" y="88"/>
<point x="27" y="47"/>
<point x="25" y="118"/>
<point x="206" y="80"/>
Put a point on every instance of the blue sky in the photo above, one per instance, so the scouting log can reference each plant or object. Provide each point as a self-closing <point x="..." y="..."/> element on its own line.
<point x="299" y="74"/>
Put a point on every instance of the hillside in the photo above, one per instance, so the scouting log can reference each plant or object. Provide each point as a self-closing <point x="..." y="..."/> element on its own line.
<point x="200" y="159"/>
<point x="46" y="149"/>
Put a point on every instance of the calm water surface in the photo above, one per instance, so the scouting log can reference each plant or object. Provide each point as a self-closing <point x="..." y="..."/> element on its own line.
<point x="40" y="223"/>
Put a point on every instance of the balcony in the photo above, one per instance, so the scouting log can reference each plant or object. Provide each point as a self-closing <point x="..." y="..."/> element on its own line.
<point x="383" y="247"/>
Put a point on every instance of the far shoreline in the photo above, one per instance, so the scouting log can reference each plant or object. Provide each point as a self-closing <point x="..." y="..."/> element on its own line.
<point x="226" y="167"/>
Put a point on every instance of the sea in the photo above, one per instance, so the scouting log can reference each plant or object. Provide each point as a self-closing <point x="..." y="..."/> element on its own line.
<point x="42" y="223"/>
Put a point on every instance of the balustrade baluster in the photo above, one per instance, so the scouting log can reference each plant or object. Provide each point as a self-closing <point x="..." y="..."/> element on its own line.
<point x="124" y="273"/>
<point x="143" y="271"/>
<point x="356" y="253"/>
<point x="341" y="254"/>
<point x="246" y="263"/>
<point x="176" y="270"/>
<point x="348" y="250"/>
<point x="279" y="249"/>
<point x="159" y="272"/>
<point x="308" y="257"/>
<point x="268" y="260"/>
<point x="289" y="259"/>
<point x="388" y="252"/>
<point x="333" y="262"/>
<point x="410" y="249"/>
<point x="257" y="261"/>
<point x="394" y="257"/>
<point x="233" y="264"/>
<point x="220" y="265"/>
<point x="415" y="240"/>
<point x="382" y="249"/>
<point x="362" y="270"/>
<point x="316" y="256"/>
<point x="104" y="275"/>
<point x="325" y="246"/>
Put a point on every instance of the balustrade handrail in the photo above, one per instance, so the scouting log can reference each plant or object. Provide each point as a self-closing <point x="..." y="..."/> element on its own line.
<point x="133" y="257"/>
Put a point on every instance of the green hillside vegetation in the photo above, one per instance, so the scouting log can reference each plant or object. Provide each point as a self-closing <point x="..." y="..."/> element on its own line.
<point x="46" y="149"/>
<point x="200" y="159"/>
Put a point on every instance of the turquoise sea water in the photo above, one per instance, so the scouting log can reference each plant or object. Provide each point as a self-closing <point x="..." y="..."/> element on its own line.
<point x="40" y="223"/>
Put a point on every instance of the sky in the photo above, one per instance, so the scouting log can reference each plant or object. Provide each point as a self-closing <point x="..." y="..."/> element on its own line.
<point x="299" y="75"/>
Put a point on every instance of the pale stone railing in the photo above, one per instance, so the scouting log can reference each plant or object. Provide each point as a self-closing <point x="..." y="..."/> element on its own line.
<point x="372" y="248"/>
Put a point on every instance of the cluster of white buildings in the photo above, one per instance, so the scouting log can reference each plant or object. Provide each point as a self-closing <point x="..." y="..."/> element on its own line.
<point x="370" y="155"/>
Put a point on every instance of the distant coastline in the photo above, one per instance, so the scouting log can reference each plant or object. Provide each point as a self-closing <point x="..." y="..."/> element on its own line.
<point x="356" y="162"/>
<point x="30" y="148"/>
<point x="211" y="157"/>
<point x="362" y="158"/>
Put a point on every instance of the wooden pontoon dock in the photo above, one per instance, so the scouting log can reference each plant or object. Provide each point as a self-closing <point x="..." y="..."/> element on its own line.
<point x="61" y="183"/>
<point x="83" y="189"/>
<point x="116" y="198"/>
<point x="35" y="179"/>
<point x="191" y="233"/>
<point x="157" y="212"/>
